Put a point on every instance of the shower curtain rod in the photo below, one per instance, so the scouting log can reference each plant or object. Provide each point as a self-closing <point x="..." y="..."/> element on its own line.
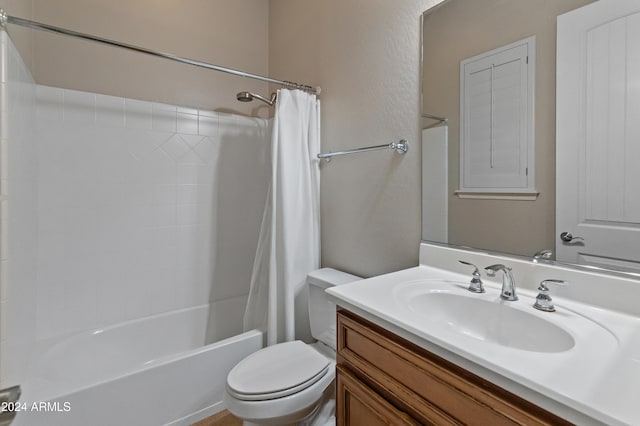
<point x="8" y="19"/>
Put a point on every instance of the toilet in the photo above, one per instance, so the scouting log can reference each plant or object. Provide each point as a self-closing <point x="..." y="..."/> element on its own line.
<point x="292" y="383"/>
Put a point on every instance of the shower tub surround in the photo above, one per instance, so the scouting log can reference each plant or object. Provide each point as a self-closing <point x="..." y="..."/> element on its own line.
<point x="142" y="221"/>
<point x="148" y="220"/>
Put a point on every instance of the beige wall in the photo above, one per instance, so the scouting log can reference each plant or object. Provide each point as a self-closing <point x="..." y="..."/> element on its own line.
<point x="365" y="56"/>
<point x="229" y="33"/>
<point x="460" y="29"/>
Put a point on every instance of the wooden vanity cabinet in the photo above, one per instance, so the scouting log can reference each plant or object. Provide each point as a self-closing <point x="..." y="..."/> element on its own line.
<point x="383" y="379"/>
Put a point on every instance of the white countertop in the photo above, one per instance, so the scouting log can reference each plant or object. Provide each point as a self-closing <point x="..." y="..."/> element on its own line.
<point x="597" y="381"/>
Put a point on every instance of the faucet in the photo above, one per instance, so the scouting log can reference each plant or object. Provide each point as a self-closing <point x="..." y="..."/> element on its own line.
<point x="542" y="255"/>
<point x="508" y="285"/>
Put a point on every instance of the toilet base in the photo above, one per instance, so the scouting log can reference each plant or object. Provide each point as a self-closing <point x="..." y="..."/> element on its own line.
<point x="323" y="414"/>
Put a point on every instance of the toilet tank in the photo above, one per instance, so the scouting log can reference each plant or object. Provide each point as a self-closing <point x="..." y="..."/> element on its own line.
<point x="322" y="312"/>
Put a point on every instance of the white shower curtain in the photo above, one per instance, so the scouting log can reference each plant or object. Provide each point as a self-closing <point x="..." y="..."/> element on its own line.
<point x="289" y="242"/>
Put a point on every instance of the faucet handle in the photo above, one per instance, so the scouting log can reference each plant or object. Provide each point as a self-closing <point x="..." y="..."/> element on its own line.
<point x="545" y="254"/>
<point x="543" y="300"/>
<point x="475" y="285"/>
<point x="543" y="284"/>
<point x="476" y="272"/>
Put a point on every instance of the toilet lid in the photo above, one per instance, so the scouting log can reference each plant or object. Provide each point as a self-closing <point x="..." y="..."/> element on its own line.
<point x="277" y="371"/>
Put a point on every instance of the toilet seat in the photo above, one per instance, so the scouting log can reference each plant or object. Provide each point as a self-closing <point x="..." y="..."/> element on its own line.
<point x="276" y="372"/>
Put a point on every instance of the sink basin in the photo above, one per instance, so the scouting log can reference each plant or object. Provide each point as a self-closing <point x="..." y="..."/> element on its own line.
<point x="491" y="321"/>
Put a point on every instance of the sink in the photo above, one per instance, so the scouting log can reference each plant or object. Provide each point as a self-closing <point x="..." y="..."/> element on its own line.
<point x="482" y="326"/>
<point x="574" y="355"/>
<point x="492" y="321"/>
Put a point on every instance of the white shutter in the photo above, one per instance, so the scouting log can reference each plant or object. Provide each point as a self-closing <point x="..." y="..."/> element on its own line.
<point x="496" y="120"/>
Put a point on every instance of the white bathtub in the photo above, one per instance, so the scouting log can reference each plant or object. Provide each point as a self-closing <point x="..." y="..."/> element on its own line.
<point x="154" y="371"/>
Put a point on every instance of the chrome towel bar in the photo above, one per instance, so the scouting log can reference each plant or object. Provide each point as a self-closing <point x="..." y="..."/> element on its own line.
<point x="435" y="117"/>
<point x="401" y="147"/>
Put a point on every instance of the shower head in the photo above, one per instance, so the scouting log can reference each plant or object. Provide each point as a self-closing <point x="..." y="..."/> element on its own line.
<point x="248" y="97"/>
<point x="244" y="97"/>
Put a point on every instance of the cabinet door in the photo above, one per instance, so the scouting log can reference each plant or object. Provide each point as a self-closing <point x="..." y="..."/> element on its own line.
<point x="357" y="404"/>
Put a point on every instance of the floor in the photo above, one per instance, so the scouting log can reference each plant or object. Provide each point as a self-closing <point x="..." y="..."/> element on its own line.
<point x="223" y="418"/>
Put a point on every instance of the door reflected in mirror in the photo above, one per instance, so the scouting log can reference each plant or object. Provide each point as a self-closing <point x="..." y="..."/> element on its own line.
<point x="598" y="133"/>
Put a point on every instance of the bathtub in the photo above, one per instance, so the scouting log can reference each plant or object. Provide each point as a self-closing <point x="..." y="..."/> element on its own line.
<point x="153" y="371"/>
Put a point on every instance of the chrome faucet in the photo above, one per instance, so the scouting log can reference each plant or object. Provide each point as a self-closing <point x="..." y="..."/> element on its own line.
<point x="508" y="285"/>
<point x="542" y="255"/>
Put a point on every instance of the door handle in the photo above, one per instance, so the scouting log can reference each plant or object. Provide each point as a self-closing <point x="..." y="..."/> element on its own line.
<point x="567" y="237"/>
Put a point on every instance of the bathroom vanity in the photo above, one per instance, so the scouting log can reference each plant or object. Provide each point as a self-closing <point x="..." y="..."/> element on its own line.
<point x="416" y="347"/>
<point x="381" y="376"/>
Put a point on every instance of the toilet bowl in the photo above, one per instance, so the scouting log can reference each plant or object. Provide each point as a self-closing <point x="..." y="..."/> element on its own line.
<point x="289" y="383"/>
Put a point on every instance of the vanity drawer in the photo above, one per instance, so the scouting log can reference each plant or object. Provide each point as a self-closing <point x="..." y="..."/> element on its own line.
<point x="359" y="405"/>
<point x="429" y="388"/>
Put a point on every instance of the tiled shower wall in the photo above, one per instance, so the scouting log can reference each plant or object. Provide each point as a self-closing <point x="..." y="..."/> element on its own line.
<point x="144" y="208"/>
<point x="18" y="197"/>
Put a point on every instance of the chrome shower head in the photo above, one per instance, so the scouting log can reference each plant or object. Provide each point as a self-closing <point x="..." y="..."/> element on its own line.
<point x="244" y="97"/>
<point x="248" y="97"/>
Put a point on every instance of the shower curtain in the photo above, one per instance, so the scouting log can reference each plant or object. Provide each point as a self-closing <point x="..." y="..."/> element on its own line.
<point x="289" y="242"/>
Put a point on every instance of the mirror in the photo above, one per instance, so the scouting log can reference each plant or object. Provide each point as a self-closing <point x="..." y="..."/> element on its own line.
<point x="455" y="30"/>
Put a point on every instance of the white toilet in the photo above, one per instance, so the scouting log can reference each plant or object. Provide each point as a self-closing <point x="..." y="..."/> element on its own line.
<point x="292" y="383"/>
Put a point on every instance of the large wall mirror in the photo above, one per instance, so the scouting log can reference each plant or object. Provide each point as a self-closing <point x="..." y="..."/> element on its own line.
<point x="456" y="30"/>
